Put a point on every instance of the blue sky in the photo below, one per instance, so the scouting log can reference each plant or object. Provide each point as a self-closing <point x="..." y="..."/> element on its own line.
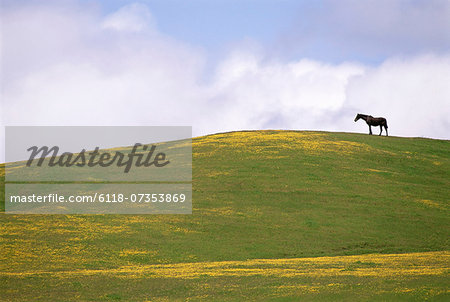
<point x="363" y="30"/>
<point x="227" y="65"/>
<point x="214" y="24"/>
<point x="366" y="31"/>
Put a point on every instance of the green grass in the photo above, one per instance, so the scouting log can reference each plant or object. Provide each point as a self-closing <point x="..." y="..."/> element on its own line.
<point x="256" y="195"/>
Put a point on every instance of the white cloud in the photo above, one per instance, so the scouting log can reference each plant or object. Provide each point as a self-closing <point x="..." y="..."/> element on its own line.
<point x="134" y="17"/>
<point x="255" y="94"/>
<point x="64" y="66"/>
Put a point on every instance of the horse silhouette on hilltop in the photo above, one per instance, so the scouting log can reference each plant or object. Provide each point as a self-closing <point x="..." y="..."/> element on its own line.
<point x="373" y="121"/>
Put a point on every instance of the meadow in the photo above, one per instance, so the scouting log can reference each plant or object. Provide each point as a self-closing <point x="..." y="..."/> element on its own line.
<point x="277" y="215"/>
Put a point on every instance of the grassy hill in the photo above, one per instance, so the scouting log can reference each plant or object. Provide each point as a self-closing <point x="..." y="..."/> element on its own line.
<point x="304" y="200"/>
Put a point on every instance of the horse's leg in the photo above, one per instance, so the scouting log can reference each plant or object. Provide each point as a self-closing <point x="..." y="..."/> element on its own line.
<point x="381" y="129"/>
<point x="370" y="130"/>
<point x="385" y="128"/>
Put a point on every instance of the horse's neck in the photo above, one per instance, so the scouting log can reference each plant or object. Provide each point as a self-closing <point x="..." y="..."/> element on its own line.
<point x="364" y="117"/>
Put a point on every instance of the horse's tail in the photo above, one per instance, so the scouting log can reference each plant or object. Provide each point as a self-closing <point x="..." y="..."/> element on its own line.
<point x="385" y="123"/>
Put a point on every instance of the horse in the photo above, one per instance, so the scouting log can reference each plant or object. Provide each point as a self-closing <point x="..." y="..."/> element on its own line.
<point x="373" y="121"/>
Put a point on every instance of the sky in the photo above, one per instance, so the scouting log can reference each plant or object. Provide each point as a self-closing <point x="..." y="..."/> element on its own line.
<point x="227" y="65"/>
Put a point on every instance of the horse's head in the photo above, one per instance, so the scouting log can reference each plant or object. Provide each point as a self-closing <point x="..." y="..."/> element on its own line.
<point x="358" y="116"/>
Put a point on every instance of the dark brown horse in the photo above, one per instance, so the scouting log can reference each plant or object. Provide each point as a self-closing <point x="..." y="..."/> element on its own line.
<point x="373" y="121"/>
